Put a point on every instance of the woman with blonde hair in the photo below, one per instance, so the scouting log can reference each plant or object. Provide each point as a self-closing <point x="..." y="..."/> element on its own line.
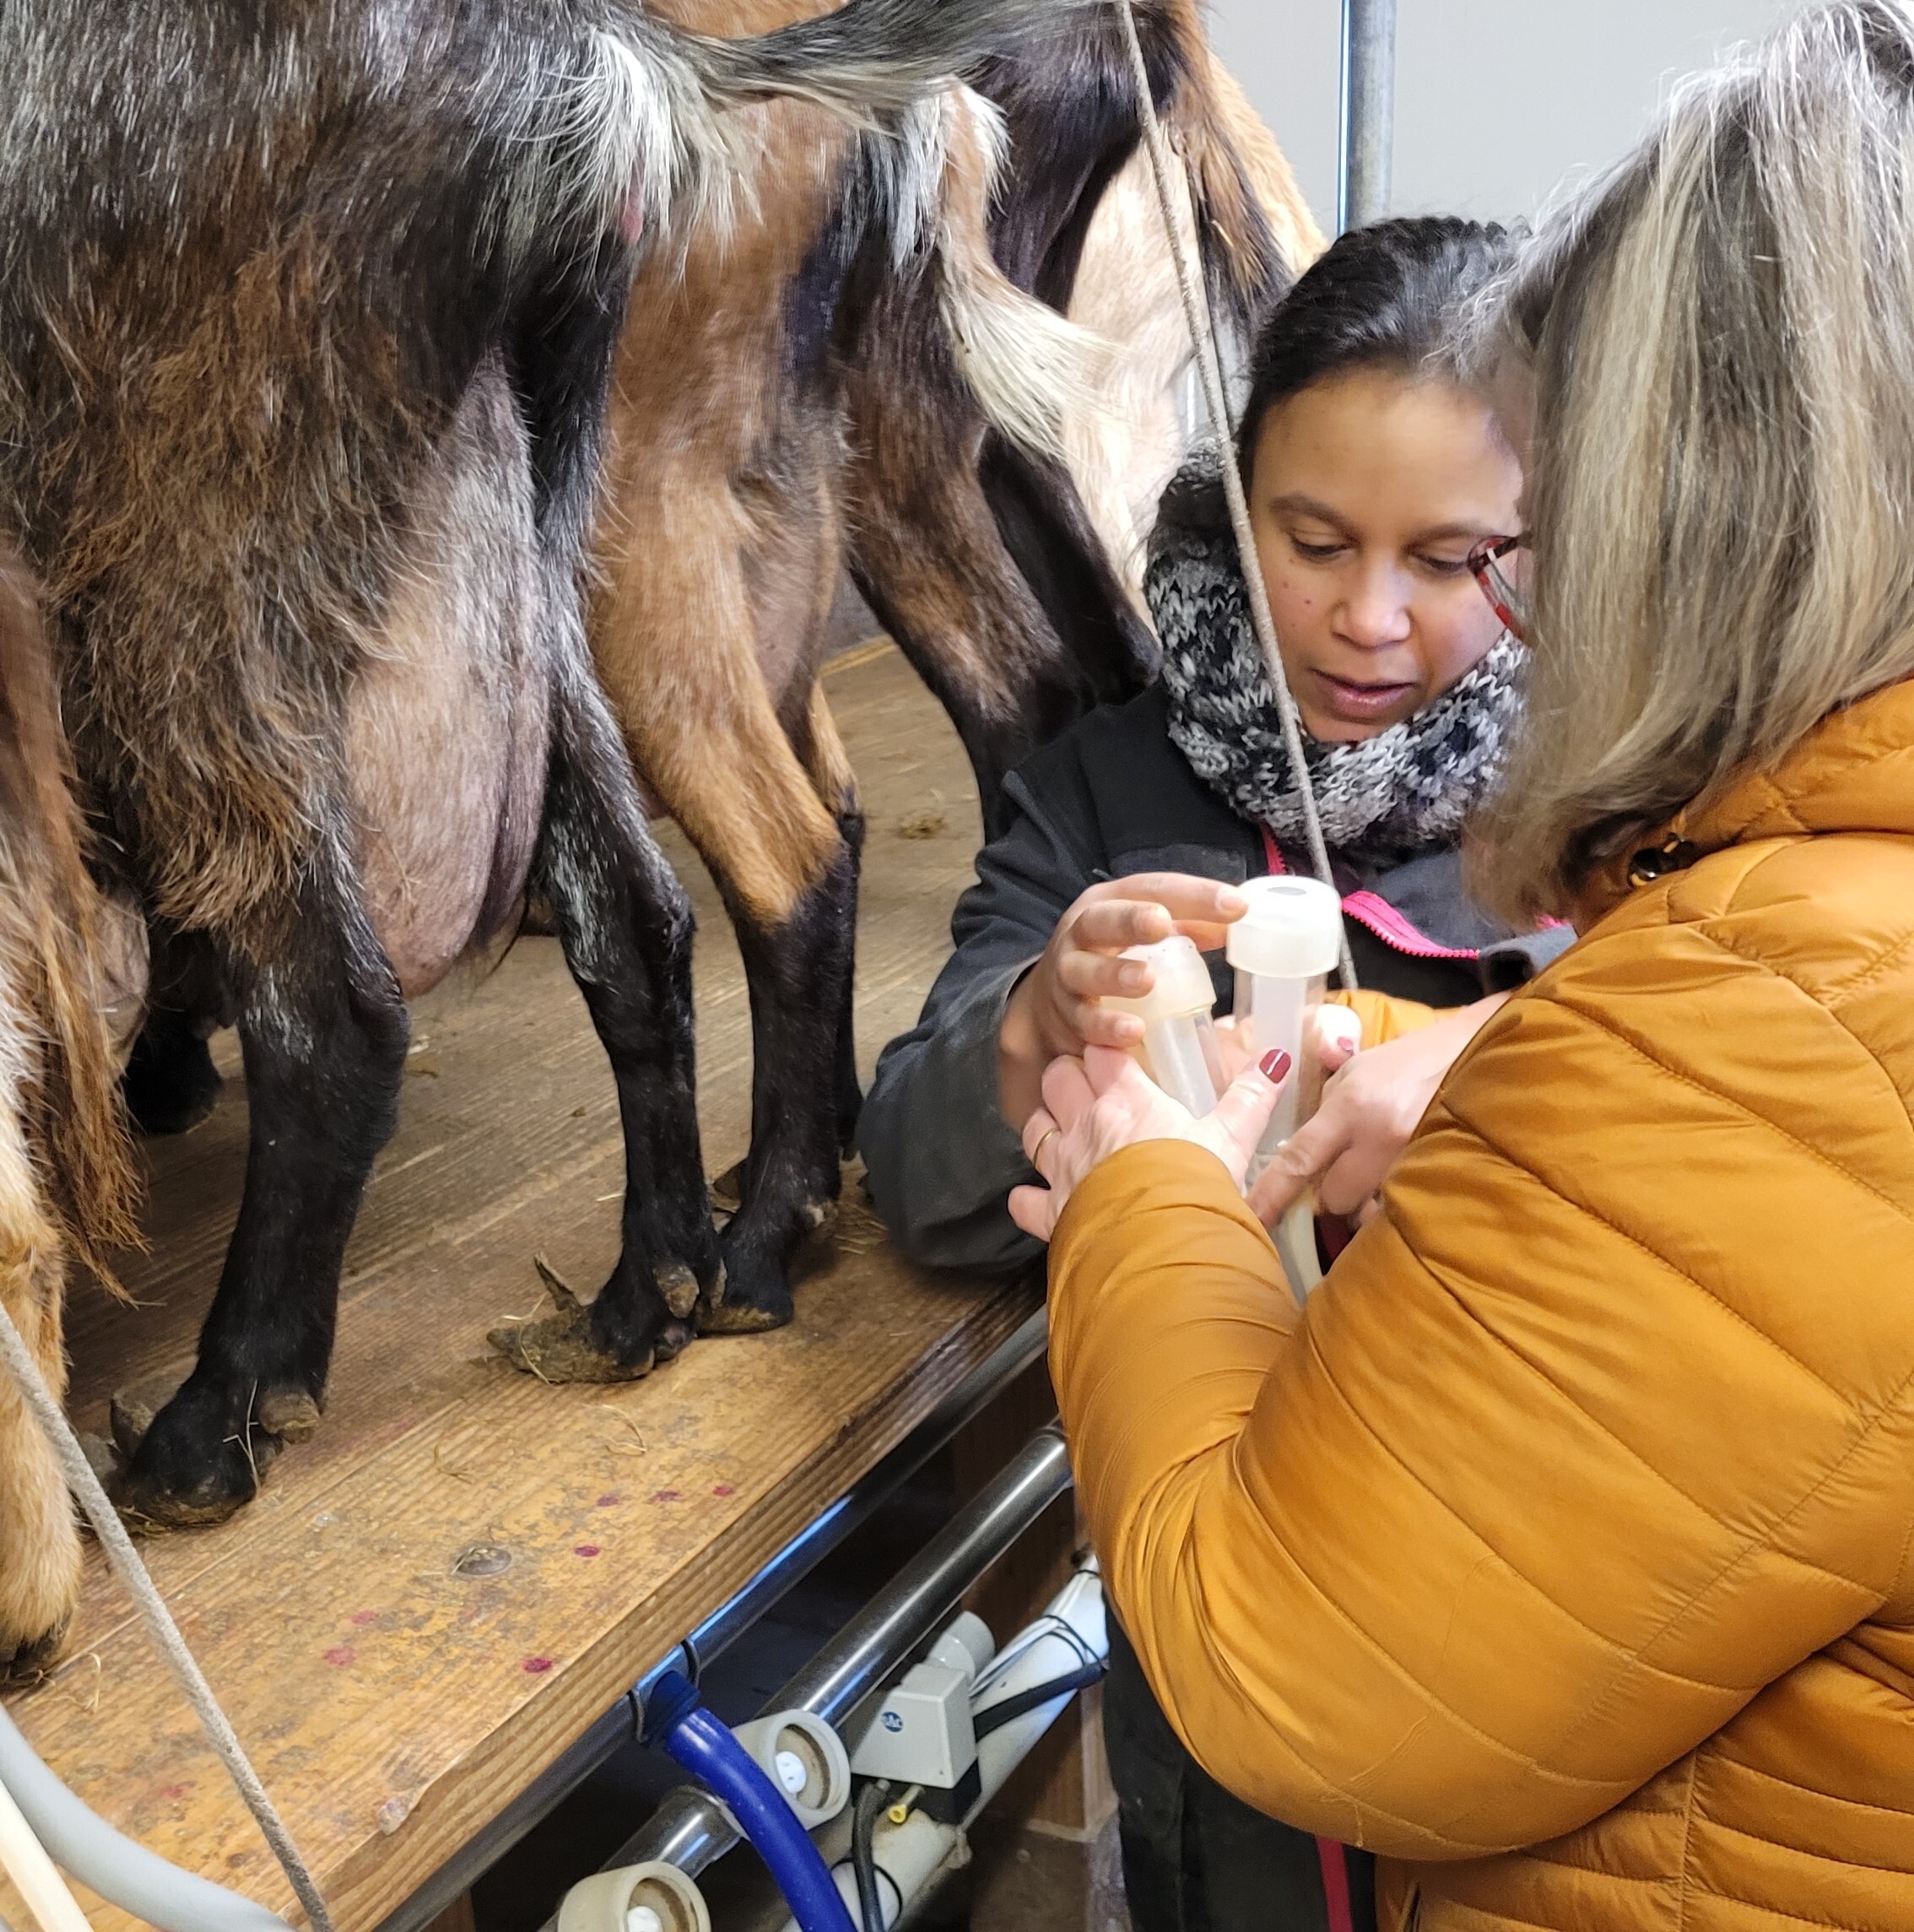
<point x="1562" y="1548"/>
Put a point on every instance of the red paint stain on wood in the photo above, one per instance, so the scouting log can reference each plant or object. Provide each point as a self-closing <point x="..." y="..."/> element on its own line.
<point x="586" y="1550"/>
<point x="537" y="1666"/>
<point x="341" y="1657"/>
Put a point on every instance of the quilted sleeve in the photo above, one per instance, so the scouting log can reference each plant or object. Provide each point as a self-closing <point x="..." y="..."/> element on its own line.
<point x="1579" y="1446"/>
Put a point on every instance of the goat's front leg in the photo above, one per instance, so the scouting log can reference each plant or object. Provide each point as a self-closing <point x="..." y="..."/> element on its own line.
<point x="324" y="1032"/>
<point x="39" y="1550"/>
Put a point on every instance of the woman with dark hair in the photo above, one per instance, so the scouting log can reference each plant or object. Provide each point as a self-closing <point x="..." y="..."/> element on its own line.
<point x="1373" y="474"/>
<point x="1561" y="1549"/>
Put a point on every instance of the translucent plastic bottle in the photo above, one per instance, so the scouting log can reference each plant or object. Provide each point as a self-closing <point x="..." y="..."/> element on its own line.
<point x="1179" y="1042"/>
<point x="1284" y="949"/>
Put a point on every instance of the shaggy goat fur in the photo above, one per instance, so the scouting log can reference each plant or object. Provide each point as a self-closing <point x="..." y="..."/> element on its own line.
<point x="65" y="1186"/>
<point x="306" y="317"/>
<point x="1131" y="438"/>
<point x="799" y="397"/>
<point x="977" y="551"/>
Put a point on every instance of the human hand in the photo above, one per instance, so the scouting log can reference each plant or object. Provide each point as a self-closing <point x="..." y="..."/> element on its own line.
<point x="1335" y="1032"/>
<point x="1368" y="1111"/>
<point x="1095" y="1106"/>
<point x="1055" y="1011"/>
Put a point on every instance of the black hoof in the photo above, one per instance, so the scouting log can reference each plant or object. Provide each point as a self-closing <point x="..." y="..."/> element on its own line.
<point x="569" y="1344"/>
<point x="199" y="1460"/>
<point x="750" y="1297"/>
<point x="33" y="1661"/>
<point x="171" y="1082"/>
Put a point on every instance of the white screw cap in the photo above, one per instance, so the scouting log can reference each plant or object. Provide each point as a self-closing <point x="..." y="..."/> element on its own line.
<point x="1293" y="930"/>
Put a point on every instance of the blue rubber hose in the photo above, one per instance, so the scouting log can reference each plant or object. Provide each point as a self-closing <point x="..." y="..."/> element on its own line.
<point x="676" y="1721"/>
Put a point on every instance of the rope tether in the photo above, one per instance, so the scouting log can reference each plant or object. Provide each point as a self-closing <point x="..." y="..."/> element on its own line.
<point x="126" y="1566"/>
<point x="1202" y="337"/>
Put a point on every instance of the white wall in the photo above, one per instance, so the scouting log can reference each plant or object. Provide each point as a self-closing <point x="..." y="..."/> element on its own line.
<point x="1496" y="100"/>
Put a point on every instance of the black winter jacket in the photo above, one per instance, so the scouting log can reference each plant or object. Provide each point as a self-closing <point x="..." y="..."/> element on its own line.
<point x="1112" y="797"/>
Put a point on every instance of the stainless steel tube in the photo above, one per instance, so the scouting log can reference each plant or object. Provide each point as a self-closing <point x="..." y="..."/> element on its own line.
<point x="689" y="1830"/>
<point x="805" y="1550"/>
<point x="620" y="1725"/>
<point x="1369" y="111"/>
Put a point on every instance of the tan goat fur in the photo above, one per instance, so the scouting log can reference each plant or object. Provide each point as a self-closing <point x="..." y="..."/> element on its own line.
<point x="65" y="1183"/>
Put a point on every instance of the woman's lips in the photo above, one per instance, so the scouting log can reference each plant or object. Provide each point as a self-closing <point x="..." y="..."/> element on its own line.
<point x="1358" y="704"/>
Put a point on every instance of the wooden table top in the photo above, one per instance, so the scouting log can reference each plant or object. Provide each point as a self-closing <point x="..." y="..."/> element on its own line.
<point x="396" y="1692"/>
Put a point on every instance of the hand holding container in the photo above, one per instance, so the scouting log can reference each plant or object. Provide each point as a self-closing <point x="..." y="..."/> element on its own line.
<point x="1284" y="949"/>
<point x="1179" y="1043"/>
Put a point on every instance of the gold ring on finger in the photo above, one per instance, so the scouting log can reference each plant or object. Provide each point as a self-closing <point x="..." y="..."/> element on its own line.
<point x="1036" y="1151"/>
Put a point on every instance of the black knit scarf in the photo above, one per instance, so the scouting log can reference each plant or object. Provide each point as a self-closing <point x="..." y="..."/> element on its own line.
<point x="1406" y="790"/>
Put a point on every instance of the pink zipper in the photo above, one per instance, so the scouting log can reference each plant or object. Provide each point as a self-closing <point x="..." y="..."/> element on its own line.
<point x="1372" y="909"/>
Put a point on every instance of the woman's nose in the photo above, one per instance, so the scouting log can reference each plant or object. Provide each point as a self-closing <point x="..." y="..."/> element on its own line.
<point x="1375" y="611"/>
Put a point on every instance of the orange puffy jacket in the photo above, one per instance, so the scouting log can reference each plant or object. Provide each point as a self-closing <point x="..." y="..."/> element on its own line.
<point x="1563" y="1550"/>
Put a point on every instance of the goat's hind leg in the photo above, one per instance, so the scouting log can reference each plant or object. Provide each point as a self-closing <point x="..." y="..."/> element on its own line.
<point x="799" y="964"/>
<point x="324" y="1032"/>
<point x="626" y="925"/>
<point x="170" y="1083"/>
<point x="752" y="797"/>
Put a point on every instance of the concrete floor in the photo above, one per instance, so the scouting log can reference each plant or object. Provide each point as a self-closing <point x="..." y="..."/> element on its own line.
<point x="1028" y="1881"/>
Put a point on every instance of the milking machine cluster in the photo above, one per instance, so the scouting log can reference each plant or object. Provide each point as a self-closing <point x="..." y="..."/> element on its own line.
<point x="857" y="1785"/>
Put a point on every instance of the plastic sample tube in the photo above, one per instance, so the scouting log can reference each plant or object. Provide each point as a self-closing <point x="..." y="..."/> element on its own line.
<point x="1284" y="949"/>
<point x="1179" y="1042"/>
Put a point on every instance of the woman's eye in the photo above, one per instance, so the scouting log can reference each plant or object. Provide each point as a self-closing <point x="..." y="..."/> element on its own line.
<point x="1445" y="567"/>
<point x="1316" y="552"/>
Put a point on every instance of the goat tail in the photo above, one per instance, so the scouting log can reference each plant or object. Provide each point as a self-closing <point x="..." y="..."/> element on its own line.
<point x="871" y="59"/>
<point x="644" y="127"/>
<point x="1032" y="372"/>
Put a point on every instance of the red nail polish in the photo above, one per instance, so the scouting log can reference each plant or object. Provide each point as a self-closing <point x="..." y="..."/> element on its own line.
<point x="1274" y="1064"/>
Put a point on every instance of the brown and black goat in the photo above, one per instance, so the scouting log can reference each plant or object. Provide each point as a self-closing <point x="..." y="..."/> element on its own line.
<point x="306" y="317"/>
<point x="976" y="549"/>
<point x="797" y="400"/>
<point x="65" y="1190"/>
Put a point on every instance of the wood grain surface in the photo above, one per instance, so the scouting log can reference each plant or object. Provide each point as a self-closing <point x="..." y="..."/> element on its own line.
<point x="430" y="1601"/>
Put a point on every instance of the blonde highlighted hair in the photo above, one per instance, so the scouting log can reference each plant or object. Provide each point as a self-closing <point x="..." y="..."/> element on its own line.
<point x="1721" y="334"/>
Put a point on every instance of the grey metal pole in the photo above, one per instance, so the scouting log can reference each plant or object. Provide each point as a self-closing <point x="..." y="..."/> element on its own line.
<point x="690" y="1829"/>
<point x="1369" y="111"/>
